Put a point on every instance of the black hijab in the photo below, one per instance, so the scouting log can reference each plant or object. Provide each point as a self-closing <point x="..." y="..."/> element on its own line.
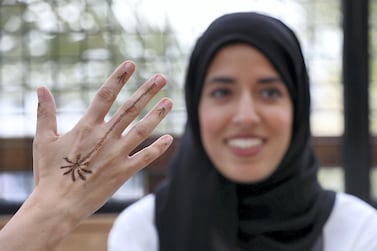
<point x="197" y="208"/>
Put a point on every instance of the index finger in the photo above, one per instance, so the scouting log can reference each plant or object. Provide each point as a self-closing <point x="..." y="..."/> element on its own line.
<point x="108" y="92"/>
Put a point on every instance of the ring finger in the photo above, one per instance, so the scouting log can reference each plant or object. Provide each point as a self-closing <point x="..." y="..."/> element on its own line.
<point x="143" y="128"/>
<point x="132" y="107"/>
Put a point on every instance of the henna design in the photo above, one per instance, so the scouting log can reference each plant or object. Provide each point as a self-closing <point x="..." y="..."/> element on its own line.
<point x="122" y="78"/>
<point x="76" y="166"/>
<point x="80" y="162"/>
<point x="161" y="111"/>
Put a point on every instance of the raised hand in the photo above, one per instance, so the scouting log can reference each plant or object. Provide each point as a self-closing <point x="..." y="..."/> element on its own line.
<point x="76" y="173"/>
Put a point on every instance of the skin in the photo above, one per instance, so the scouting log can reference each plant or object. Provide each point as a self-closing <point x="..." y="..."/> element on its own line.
<point x="60" y="202"/>
<point x="245" y="114"/>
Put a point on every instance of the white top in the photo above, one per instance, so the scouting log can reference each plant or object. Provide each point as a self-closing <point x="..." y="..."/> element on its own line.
<point x="352" y="226"/>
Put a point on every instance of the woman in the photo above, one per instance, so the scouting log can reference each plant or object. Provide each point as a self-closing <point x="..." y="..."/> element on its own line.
<point x="245" y="174"/>
<point x="70" y="169"/>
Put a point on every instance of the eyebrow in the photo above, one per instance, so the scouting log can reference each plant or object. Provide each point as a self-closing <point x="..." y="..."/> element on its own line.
<point x="230" y="80"/>
<point x="268" y="80"/>
<point x="221" y="79"/>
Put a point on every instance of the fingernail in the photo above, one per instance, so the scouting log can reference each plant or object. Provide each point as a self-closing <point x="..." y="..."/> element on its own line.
<point x="167" y="104"/>
<point x="168" y="139"/>
<point x="159" y="80"/>
<point x="165" y="107"/>
<point x="41" y="94"/>
<point x="129" y="67"/>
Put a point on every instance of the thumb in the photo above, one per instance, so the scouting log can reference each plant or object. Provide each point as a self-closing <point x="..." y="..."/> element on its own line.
<point x="46" y="125"/>
<point x="46" y="115"/>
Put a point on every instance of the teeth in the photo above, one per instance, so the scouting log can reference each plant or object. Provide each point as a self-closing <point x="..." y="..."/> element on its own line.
<point x="245" y="143"/>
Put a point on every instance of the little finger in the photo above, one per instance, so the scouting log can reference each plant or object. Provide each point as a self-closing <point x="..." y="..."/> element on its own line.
<point x="147" y="155"/>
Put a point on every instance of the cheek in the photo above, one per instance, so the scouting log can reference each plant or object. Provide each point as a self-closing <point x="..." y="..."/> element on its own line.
<point x="212" y="122"/>
<point x="209" y="120"/>
<point x="280" y="121"/>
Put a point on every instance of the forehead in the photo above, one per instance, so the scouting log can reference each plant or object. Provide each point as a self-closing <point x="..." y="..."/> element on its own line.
<point x="238" y="59"/>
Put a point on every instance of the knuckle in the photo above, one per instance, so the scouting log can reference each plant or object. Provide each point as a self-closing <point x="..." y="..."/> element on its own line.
<point x="130" y="108"/>
<point x="148" y="156"/>
<point x="42" y="111"/>
<point x="85" y="130"/>
<point x="36" y="143"/>
<point x="152" y="152"/>
<point x="141" y="131"/>
<point x="106" y="94"/>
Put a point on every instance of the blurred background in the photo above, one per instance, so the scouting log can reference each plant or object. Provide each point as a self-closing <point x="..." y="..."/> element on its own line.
<point x="71" y="46"/>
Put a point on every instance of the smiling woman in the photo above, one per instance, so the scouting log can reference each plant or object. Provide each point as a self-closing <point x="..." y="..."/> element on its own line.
<point x="245" y="174"/>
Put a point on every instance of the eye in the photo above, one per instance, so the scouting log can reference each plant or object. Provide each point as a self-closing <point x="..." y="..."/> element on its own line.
<point x="271" y="93"/>
<point x="220" y="92"/>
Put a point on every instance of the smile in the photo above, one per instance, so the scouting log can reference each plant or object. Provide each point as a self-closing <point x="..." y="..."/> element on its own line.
<point x="244" y="143"/>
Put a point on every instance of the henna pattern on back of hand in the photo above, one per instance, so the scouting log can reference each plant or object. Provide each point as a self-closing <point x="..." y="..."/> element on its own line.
<point x="77" y="166"/>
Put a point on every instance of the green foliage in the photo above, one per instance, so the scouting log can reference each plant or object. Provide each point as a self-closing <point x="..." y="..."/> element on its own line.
<point x="72" y="46"/>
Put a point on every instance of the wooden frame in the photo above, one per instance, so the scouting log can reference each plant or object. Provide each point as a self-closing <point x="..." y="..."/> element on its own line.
<point x="16" y="155"/>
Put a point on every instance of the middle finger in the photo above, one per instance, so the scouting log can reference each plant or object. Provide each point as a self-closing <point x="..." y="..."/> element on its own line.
<point x="108" y="92"/>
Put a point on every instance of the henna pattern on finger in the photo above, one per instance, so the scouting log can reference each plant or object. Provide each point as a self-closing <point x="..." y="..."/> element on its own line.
<point x="122" y="78"/>
<point x="79" y="165"/>
<point x="161" y="112"/>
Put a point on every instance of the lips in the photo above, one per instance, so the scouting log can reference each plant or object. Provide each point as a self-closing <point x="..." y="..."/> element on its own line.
<point x="245" y="146"/>
<point x="245" y="143"/>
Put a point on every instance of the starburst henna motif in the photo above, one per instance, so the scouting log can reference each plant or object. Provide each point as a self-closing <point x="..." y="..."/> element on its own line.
<point x="77" y="166"/>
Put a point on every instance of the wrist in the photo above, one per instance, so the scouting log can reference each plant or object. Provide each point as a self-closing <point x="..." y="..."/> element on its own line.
<point x="39" y="224"/>
<point x="53" y="212"/>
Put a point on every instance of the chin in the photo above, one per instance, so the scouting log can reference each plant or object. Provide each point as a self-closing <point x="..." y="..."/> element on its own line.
<point x="245" y="179"/>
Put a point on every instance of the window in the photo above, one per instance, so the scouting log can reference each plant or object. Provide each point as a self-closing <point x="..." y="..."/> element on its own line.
<point x="71" y="46"/>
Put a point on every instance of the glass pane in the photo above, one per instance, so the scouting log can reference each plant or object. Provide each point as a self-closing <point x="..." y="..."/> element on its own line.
<point x="332" y="178"/>
<point x="374" y="182"/>
<point x="373" y="66"/>
<point x="73" y="45"/>
<point x="17" y="186"/>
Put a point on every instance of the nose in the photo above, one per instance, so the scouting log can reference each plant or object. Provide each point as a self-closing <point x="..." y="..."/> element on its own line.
<point x="246" y="110"/>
